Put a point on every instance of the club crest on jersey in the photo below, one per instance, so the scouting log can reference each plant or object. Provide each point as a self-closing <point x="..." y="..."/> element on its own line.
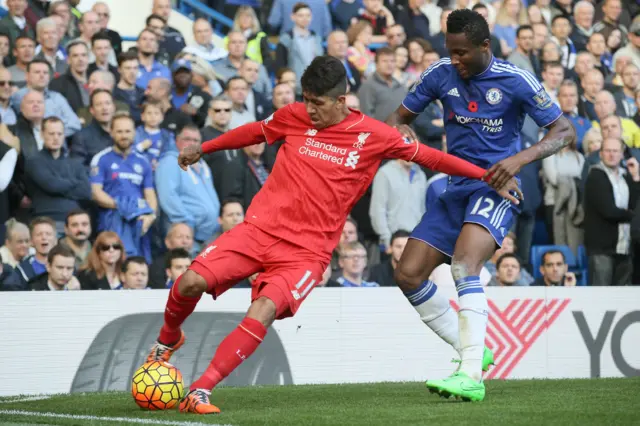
<point x="268" y="119"/>
<point x="311" y="132"/>
<point x="362" y="138"/>
<point x="493" y="96"/>
<point x="407" y="141"/>
<point x="137" y="168"/>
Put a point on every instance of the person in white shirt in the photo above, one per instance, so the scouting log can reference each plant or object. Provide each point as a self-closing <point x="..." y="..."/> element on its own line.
<point x="204" y="47"/>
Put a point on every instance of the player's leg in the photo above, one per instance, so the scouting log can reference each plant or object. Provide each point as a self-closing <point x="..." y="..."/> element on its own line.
<point x="430" y="245"/>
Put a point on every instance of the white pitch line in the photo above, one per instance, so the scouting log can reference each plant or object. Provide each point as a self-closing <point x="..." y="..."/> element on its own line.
<point x="28" y="398"/>
<point x="104" y="419"/>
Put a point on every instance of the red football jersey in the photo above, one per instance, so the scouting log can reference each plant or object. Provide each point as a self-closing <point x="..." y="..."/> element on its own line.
<point x="320" y="174"/>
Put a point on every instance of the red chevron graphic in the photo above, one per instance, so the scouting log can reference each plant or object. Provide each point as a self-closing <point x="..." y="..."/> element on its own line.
<point x="512" y="331"/>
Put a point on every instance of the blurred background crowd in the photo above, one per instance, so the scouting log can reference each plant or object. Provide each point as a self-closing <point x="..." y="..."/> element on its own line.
<point x="91" y="195"/>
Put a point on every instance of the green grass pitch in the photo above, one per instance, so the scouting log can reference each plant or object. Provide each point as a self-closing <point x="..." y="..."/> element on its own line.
<point x="526" y="402"/>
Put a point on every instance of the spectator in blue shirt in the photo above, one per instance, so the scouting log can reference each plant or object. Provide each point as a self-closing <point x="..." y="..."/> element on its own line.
<point x="353" y="261"/>
<point x="57" y="184"/>
<point x="122" y="186"/>
<point x="149" y="68"/>
<point x="280" y="17"/>
<point x="187" y="97"/>
<point x="126" y="90"/>
<point x="568" y="99"/>
<point x="151" y="140"/>
<point x="188" y="197"/>
<point x="43" y="239"/>
<point x="95" y="137"/>
<point x="38" y="76"/>
<point x="177" y="261"/>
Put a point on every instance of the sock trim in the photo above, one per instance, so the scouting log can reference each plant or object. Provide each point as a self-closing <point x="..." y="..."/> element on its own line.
<point x="470" y="290"/>
<point x="249" y="332"/>
<point x="422" y="294"/>
<point x="471" y="279"/>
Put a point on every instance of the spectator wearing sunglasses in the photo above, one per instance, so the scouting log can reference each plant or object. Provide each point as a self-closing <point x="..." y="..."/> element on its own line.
<point x="219" y="118"/>
<point x="102" y="268"/>
<point x="7" y="114"/>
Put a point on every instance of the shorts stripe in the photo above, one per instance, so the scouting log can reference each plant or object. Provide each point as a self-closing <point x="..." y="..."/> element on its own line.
<point x="303" y="279"/>
<point x="504" y="211"/>
<point x="498" y="213"/>
<point x="308" y="288"/>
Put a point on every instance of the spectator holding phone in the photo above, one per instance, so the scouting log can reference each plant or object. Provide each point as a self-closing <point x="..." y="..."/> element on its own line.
<point x="555" y="271"/>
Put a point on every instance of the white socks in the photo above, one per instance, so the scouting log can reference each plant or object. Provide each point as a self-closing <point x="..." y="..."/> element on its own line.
<point x="473" y="316"/>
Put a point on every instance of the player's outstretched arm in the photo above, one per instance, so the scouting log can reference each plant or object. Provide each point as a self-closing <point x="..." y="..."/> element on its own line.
<point x="561" y="133"/>
<point x="245" y="135"/>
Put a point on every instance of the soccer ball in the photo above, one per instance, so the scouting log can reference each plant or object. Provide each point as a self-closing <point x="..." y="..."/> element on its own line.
<point x="157" y="386"/>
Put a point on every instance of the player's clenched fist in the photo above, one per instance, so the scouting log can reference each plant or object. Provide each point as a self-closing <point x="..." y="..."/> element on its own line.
<point x="189" y="155"/>
<point x="407" y="132"/>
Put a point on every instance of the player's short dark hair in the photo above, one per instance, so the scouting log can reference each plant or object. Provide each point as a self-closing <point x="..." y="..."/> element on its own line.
<point x="100" y="35"/>
<point x="299" y="6"/>
<point x="129" y="55"/>
<point x="555" y="18"/>
<point x="400" y="233"/>
<point x="177" y="253"/>
<point x="39" y="61"/>
<point x="60" y="250"/>
<point x="508" y="256"/>
<point x="228" y="201"/>
<point x="75" y="212"/>
<point x="386" y="50"/>
<point x="522" y="28"/>
<point x="471" y="23"/>
<point x="133" y="259"/>
<point x="154" y="16"/>
<point x="41" y="220"/>
<point x="52" y="119"/>
<point x="96" y="93"/>
<point x="550" y="252"/>
<point x="325" y="76"/>
<point x="551" y="64"/>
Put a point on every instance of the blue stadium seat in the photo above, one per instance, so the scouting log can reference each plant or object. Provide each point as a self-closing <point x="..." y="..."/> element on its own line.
<point x="574" y="263"/>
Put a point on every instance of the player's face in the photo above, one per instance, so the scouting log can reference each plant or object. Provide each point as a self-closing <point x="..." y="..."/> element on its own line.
<point x="323" y="110"/>
<point x="232" y="215"/>
<point x="61" y="270"/>
<point x="568" y="98"/>
<point x="509" y="271"/>
<point x="78" y="228"/>
<point x="553" y="268"/>
<point x="43" y="238"/>
<point x="178" y="267"/>
<point x="398" y="247"/>
<point x="136" y="277"/>
<point x="468" y="59"/>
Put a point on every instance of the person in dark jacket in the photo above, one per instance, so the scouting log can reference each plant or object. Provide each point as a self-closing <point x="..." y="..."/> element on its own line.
<point x="96" y="136"/>
<point x="28" y="124"/>
<point x="415" y="23"/>
<point x="104" y="264"/>
<point x="179" y="236"/>
<point x="337" y="45"/>
<point x="246" y="174"/>
<point x="9" y="278"/>
<point x="102" y="10"/>
<point x="382" y="273"/>
<point x="256" y="102"/>
<point x="56" y="182"/>
<point x="187" y="97"/>
<point x="101" y="47"/>
<point x="14" y="23"/>
<point x="43" y="239"/>
<point x="610" y="194"/>
<point x="59" y="275"/>
<point x="72" y="84"/>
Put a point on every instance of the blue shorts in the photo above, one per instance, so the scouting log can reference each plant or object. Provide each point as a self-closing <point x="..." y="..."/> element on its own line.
<point x="465" y="202"/>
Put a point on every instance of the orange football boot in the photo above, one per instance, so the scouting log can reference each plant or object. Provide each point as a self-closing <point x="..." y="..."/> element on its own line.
<point x="197" y="401"/>
<point x="161" y="352"/>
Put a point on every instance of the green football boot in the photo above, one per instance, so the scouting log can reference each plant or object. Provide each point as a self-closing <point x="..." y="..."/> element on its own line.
<point x="487" y="359"/>
<point x="458" y="385"/>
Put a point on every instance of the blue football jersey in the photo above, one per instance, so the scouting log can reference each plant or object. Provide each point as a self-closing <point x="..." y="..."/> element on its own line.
<point x="483" y="115"/>
<point x="120" y="176"/>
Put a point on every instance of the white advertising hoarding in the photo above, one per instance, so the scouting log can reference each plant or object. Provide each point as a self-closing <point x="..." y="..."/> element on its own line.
<point x="88" y="341"/>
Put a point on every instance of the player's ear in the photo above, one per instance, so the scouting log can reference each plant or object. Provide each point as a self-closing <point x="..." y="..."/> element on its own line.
<point x="341" y="101"/>
<point x="486" y="45"/>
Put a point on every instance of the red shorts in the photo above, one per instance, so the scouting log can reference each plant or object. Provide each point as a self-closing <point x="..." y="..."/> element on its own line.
<point x="287" y="272"/>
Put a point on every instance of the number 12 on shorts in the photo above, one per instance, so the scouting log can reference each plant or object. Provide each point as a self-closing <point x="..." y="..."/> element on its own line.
<point x="485" y="207"/>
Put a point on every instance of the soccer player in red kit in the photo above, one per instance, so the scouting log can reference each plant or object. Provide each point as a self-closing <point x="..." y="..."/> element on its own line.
<point x="329" y="158"/>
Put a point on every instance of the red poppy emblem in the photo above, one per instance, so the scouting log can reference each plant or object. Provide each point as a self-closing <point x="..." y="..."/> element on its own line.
<point x="473" y="106"/>
<point x="451" y="114"/>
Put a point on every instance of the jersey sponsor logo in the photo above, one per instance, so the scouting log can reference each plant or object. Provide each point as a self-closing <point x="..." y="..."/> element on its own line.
<point x="311" y="132"/>
<point x="362" y="138"/>
<point x="352" y="159"/>
<point x="323" y="151"/>
<point x="136" y="179"/>
<point x="268" y="119"/>
<point x="542" y="99"/>
<point x="493" y="96"/>
<point x="491" y="125"/>
<point x="454" y="92"/>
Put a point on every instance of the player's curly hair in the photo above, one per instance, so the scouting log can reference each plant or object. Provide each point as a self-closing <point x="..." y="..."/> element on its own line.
<point x="471" y="23"/>
<point x="325" y="76"/>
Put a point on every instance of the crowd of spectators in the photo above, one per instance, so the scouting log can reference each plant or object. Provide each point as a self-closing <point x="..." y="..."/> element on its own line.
<point x="91" y="195"/>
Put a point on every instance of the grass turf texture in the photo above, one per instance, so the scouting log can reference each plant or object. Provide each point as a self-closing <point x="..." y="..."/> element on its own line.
<point x="561" y="402"/>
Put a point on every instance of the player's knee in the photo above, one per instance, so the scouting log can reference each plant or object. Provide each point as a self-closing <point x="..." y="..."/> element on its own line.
<point x="407" y="278"/>
<point x="191" y="284"/>
<point x="263" y="309"/>
<point x="462" y="267"/>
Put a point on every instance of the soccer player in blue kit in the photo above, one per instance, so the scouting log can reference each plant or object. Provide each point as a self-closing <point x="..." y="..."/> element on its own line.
<point x="485" y="101"/>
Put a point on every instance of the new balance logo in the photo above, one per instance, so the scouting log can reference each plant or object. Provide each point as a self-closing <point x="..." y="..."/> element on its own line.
<point x="454" y="92"/>
<point x="352" y="159"/>
<point x="512" y="331"/>
<point x="311" y="132"/>
<point x="114" y="166"/>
